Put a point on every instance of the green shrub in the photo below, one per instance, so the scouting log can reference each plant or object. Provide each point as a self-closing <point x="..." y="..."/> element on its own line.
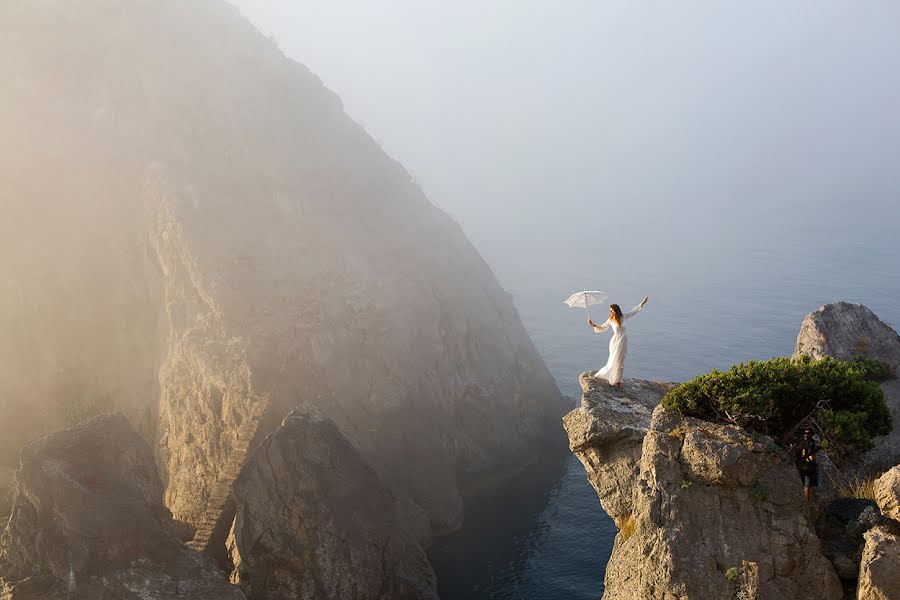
<point x="773" y="396"/>
<point x="871" y="369"/>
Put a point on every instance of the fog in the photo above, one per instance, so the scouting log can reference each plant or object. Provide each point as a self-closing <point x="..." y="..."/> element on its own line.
<point x="739" y="160"/>
<point x="567" y="119"/>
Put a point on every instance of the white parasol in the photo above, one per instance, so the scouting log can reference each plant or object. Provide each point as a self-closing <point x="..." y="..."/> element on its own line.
<point x="586" y="299"/>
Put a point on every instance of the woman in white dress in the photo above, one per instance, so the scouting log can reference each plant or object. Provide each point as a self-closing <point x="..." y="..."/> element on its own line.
<point x="618" y="345"/>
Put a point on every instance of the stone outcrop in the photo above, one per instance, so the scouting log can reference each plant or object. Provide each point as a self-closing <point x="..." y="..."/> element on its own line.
<point x="606" y="433"/>
<point x="88" y="522"/>
<point x="313" y="521"/>
<point x="695" y="502"/>
<point x="887" y="493"/>
<point x="844" y="331"/>
<point x="225" y="239"/>
<point x="709" y="498"/>
<point x="879" y="575"/>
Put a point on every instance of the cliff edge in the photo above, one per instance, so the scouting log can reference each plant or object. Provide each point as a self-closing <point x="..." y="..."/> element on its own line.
<point x="699" y="505"/>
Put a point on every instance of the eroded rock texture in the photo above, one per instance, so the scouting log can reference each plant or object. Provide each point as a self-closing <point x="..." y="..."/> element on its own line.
<point x="606" y="433"/>
<point x="696" y="501"/>
<point x="887" y="493"/>
<point x="227" y="240"/>
<point x="710" y="497"/>
<point x="879" y="576"/>
<point x="844" y="331"/>
<point x="314" y="521"/>
<point x="88" y="522"/>
<point x="879" y="573"/>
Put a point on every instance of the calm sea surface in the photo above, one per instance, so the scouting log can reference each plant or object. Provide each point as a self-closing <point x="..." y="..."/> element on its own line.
<point x="719" y="294"/>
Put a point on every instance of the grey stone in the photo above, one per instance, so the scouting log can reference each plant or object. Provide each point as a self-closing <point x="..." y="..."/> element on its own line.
<point x="709" y="498"/>
<point x="88" y="522"/>
<point x="843" y="331"/>
<point x="314" y="522"/>
<point x="606" y="433"/>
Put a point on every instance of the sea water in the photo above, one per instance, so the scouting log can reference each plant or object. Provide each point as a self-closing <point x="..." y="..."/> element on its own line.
<point x="721" y="292"/>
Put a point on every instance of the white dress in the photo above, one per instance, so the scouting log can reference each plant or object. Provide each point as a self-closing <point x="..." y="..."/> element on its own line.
<point x="618" y="347"/>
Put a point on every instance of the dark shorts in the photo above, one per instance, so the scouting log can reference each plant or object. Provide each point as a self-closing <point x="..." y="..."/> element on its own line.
<point x="810" y="476"/>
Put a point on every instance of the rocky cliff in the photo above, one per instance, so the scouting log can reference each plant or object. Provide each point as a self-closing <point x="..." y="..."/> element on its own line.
<point x="194" y="232"/>
<point x="88" y="522"/>
<point x="313" y="520"/>
<point x="698" y="505"/>
<point x="714" y="511"/>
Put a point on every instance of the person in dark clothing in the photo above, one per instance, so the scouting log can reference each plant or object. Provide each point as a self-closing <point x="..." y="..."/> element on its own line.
<point x="809" y="469"/>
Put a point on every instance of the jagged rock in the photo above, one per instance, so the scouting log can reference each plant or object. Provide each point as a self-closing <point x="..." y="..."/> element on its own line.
<point x="606" y="434"/>
<point x="844" y="331"/>
<point x="887" y="493"/>
<point x="231" y="239"/>
<point x="879" y="574"/>
<point x="841" y="527"/>
<point x="314" y="522"/>
<point x="88" y="522"/>
<point x="708" y="498"/>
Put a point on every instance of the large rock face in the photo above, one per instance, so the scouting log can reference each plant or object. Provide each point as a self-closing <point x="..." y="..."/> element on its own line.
<point x="696" y="501"/>
<point x="709" y="498"/>
<point x="88" y="522"/>
<point x="844" y="331"/>
<point x="314" y="521"/>
<point x="606" y="433"/>
<point x="225" y="240"/>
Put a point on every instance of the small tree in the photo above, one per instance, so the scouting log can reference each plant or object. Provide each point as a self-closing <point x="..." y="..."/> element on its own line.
<point x="773" y="397"/>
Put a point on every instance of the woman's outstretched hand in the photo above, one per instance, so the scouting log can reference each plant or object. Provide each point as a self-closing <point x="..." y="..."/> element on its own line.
<point x="591" y="323"/>
<point x="644" y="301"/>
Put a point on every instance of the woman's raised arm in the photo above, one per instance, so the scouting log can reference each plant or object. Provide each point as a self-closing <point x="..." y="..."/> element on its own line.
<point x="637" y="308"/>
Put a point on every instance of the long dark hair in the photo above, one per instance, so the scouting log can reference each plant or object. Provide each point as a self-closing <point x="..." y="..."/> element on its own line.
<point x="617" y="316"/>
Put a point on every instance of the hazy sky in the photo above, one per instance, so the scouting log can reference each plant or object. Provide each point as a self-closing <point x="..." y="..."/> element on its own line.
<point x="499" y="107"/>
<point x="656" y="135"/>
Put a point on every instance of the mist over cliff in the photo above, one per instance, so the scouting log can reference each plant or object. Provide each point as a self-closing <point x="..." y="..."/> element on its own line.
<point x="194" y="232"/>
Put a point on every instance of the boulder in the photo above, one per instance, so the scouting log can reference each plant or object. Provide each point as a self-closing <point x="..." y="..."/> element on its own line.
<point x="879" y="575"/>
<point x="313" y="521"/>
<point x="88" y="522"/>
<point x="844" y="331"/>
<point x="710" y="501"/>
<point x="887" y="493"/>
<point x="606" y="433"/>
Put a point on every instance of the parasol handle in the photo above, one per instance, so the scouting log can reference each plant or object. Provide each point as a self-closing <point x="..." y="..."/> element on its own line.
<point x="586" y="306"/>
